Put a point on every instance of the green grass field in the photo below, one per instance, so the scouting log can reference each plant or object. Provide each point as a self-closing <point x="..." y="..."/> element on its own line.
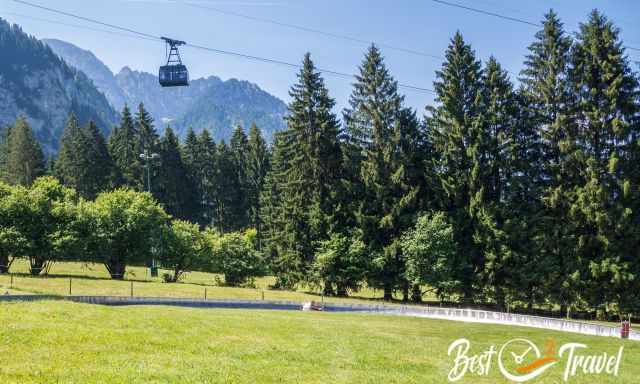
<point x="61" y="342"/>
<point x="93" y="279"/>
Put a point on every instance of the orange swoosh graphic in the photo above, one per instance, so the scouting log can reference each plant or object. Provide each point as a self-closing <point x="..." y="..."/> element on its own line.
<point x="536" y="364"/>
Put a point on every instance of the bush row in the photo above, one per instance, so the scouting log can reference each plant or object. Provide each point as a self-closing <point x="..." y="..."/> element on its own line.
<point x="48" y="222"/>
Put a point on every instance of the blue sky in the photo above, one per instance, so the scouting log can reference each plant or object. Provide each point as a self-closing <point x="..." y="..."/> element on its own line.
<point x="419" y="25"/>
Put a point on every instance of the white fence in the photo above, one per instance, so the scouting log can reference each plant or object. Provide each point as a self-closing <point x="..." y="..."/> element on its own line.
<point x="490" y="317"/>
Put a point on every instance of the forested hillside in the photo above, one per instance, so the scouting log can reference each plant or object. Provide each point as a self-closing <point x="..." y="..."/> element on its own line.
<point x="36" y="83"/>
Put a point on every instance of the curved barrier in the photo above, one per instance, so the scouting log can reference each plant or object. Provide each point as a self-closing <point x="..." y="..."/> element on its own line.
<point x="467" y="315"/>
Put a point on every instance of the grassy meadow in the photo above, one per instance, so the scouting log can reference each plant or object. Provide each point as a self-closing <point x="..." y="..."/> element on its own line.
<point x="62" y="342"/>
<point x="93" y="279"/>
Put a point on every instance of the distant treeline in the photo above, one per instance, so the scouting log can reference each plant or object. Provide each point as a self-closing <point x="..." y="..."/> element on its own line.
<point x="512" y="195"/>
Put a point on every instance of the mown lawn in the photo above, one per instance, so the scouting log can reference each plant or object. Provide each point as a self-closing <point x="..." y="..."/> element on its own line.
<point x="61" y="342"/>
<point x="93" y="279"/>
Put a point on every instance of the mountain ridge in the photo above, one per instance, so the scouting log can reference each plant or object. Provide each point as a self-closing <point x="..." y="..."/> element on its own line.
<point x="208" y="103"/>
<point x="37" y="83"/>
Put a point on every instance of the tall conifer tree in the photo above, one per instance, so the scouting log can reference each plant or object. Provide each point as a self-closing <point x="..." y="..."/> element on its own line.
<point x="123" y="147"/>
<point x="239" y="145"/>
<point x="456" y="129"/>
<point x="548" y="98"/>
<point x="376" y="125"/>
<point x="606" y="109"/>
<point x="24" y="159"/>
<point x="84" y="162"/>
<point x="257" y="166"/>
<point x="174" y="188"/>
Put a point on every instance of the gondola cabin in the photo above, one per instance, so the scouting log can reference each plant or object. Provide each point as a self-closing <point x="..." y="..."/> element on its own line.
<point x="174" y="73"/>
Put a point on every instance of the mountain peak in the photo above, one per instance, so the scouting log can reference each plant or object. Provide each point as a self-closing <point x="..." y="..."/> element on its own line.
<point x="208" y="103"/>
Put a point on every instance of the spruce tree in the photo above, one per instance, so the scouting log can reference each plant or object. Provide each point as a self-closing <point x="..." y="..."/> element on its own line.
<point x="505" y="154"/>
<point x="257" y="166"/>
<point x="272" y="209"/>
<point x="104" y="174"/>
<point x="174" y="189"/>
<point x="191" y="157"/>
<point x="4" y="150"/>
<point x="226" y="191"/>
<point x="606" y="107"/>
<point x="548" y="98"/>
<point x="83" y="162"/>
<point x="456" y="130"/>
<point x="124" y="150"/>
<point x="71" y="166"/>
<point x="24" y="159"/>
<point x="209" y="176"/>
<point x="311" y="174"/>
<point x="527" y="268"/>
<point x="147" y="142"/>
<point x="376" y="126"/>
<point x="239" y="145"/>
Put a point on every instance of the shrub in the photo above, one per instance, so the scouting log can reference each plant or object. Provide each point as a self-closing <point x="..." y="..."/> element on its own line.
<point x="183" y="248"/>
<point x="341" y="262"/>
<point x="429" y="249"/>
<point x="234" y="255"/>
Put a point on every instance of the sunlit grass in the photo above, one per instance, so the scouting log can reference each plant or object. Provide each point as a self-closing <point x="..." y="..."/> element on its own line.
<point x="61" y="342"/>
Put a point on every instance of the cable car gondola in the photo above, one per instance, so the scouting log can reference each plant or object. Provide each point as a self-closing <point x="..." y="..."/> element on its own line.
<point x="174" y="74"/>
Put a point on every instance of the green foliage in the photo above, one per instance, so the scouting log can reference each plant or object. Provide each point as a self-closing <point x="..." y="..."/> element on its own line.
<point x="341" y="264"/>
<point x="302" y="193"/>
<point x="24" y="160"/>
<point x="547" y="100"/>
<point x="228" y="193"/>
<point x="458" y="133"/>
<point x="123" y="149"/>
<point x="607" y="94"/>
<point x="174" y="190"/>
<point x="122" y="227"/>
<point x="238" y="207"/>
<point x="84" y="163"/>
<point x="12" y="242"/>
<point x="234" y="255"/>
<point x="429" y="249"/>
<point x="257" y="166"/>
<point x="378" y="130"/>
<point x="199" y="155"/>
<point x="29" y="66"/>
<point x="43" y="215"/>
<point x="184" y="248"/>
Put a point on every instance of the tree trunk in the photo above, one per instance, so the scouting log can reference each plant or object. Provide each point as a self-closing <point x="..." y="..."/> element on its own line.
<point x="116" y="269"/>
<point x="530" y="301"/>
<point x="388" y="292"/>
<point x="467" y="292"/>
<point x="563" y="310"/>
<point x="416" y="293"/>
<point x="328" y="289"/>
<point x="342" y="290"/>
<point x="4" y="264"/>
<point x="500" y="299"/>
<point x="405" y="292"/>
<point x="37" y="265"/>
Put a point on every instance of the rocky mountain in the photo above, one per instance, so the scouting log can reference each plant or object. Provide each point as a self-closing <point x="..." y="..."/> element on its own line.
<point x="207" y="103"/>
<point x="37" y="83"/>
<point x="88" y="63"/>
